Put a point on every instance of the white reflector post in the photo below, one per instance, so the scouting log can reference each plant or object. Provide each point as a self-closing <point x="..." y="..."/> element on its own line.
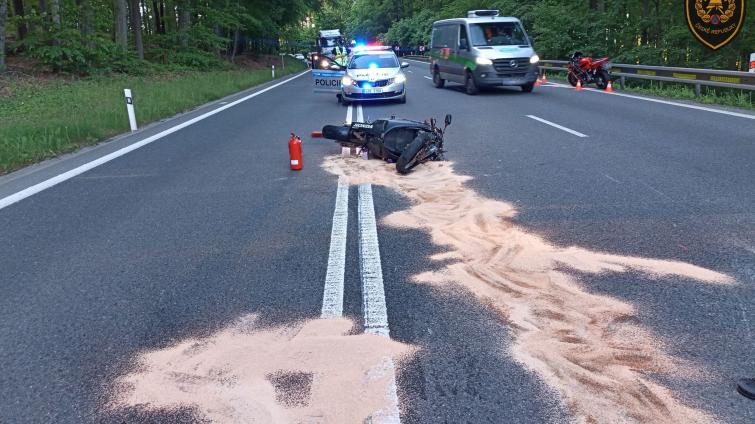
<point x="752" y="63"/>
<point x="130" y="109"/>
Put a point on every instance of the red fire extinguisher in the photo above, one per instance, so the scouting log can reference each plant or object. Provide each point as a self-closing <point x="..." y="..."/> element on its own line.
<point x="294" y="152"/>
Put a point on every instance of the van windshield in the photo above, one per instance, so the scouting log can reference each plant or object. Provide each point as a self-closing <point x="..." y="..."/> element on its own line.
<point x="497" y="34"/>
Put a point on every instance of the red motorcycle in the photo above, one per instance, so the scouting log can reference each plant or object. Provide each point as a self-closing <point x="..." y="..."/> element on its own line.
<point x="587" y="70"/>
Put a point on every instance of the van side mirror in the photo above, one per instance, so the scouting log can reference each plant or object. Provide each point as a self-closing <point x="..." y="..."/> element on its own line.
<point x="404" y="65"/>
<point x="448" y="119"/>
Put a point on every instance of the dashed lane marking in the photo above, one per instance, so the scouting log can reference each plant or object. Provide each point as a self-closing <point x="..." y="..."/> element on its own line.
<point x="554" y="125"/>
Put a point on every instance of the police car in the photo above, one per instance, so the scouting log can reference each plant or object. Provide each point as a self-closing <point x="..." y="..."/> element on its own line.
<point x="373" y="73"/>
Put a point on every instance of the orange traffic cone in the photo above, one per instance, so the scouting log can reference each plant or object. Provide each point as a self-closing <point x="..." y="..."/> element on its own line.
<point x="579" y="85"/>
<point x="537" y="82"/>
<point x="609" y="89"/>
<point x="545" y="78"/>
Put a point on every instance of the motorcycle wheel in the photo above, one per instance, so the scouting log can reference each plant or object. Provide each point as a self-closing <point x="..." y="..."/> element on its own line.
<point x="572" y="79"/>
<point x="601" y="79"/>
<point x="408" y="158"/>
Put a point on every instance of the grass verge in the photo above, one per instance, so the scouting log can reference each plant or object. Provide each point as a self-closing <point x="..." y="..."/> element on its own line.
<point x="744" y="99"/>
<point x="42" y="119"/>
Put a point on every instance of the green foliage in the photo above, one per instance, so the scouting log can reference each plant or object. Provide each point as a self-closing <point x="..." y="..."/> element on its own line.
<point x="41" y="120"/>
<point x="629" y="31"/>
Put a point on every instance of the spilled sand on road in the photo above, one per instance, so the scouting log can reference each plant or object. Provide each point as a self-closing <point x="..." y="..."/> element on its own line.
<point x="309" y="372"/>
<point x="588" y="347"/>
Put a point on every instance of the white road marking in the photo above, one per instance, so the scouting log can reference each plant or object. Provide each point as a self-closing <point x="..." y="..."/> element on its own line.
<point x="430" y="78"/>
<point x="360" y="113"/>
<point x="656" y="191"/>
<point x="375" y="312"/>
<point x="30" y="191"/>
<point x="373" y="292"/>
<point x="349" y="113"/>
<point x="554" y="125"/>
<point x="612" y="179"/>
<point x="411" y="72"/>
<point x="332" y="299"/>
<point x="666" y="102"/>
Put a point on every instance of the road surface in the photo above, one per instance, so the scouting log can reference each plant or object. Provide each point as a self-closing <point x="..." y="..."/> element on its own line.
<point x="183" y="235"/>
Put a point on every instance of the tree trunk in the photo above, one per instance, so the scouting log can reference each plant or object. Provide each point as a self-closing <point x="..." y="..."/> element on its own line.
<point x="55" y="14"/>
<point x="645" y="13"/>
<point x="85" y="17"/>
<point x="158" y="18"/>
<point x="136" y="26"/>
<point x="43" y="14"/>
<point x="121" y="24"/>
<point x="184" y="22"/>
<point x="18" y="11"/>
<point x="162" y="17"/>
<point x="236" y="38"/>
<point x="3" y="14"/>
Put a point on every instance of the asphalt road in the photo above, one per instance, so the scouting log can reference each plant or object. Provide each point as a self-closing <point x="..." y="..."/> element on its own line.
<point x="183" y="235"/>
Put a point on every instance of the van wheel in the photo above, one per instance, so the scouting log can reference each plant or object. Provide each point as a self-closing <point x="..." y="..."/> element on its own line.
<point x="437" y="80"/>
<point x="470" y="85"/>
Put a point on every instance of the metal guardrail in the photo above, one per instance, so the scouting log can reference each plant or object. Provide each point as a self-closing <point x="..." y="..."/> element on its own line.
<point x="696" y="77"/>
<point x="417" y="58"/>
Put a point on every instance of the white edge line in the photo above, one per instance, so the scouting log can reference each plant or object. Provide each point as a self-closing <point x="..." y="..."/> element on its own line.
<point x="332" y="299"/>
<point x="665" y="102"/>
<point x="30" y="191"/>
<point x="552" y="124"/>
<point x="373" y="292"/>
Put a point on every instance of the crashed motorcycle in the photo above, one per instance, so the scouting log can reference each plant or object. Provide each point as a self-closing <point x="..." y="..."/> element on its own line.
<point x="588" y="70"/>
<point x="407" y="143"/>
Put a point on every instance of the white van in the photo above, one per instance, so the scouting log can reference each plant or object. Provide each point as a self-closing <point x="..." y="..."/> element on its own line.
<point x="482" y="50"/>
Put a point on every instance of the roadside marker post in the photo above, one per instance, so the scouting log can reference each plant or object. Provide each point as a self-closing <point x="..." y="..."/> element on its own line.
<point x="130" y="109"/>
<point x="273" y="71"/>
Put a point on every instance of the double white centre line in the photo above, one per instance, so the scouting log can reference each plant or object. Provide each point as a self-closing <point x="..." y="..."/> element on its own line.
<point x="373" y="290"/>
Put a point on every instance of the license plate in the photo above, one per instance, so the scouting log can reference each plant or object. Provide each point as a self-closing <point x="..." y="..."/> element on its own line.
<point x="372" y="90"/>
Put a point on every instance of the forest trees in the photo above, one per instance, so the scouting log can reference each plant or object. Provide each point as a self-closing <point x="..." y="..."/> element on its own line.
<point x="96" y="36"/>
<point x="651" y="32"/>
<point x="3" y="14"/>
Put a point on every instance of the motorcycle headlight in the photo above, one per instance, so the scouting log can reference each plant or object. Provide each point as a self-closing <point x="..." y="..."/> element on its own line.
<point x="483" y="61"/>
<point x="534" y="59"/>
<point x="347" y="80"/>
<point x="400" y="78"/>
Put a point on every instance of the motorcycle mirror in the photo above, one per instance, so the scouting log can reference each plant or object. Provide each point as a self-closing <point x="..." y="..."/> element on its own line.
<point x="432" y="122"/>
<point x="448" y="119"/>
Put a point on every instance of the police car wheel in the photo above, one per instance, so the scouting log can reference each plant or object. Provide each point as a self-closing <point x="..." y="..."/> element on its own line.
<point x="402" y="100"/>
